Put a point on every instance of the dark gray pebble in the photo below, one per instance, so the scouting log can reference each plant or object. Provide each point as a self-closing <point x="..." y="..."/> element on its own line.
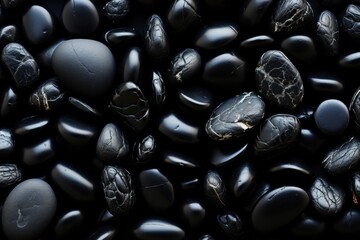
<point x="348" y="223"/>
<point x="243" y="179"/>
<point x="279" y="207"/>
<point x="194" y="213"/>
<point x="235" y="117"/>
<point x="300" y="48"/>
<point x="133" y="65"/>
<point x="31" y="125"/>
<point x="328" y="33"/>
<point x="119" y="36"/>
<point x="144" y="149"/>
<point x="183" y="15"/>
<point x="308" y="226"/>
<point x="69" y="223"/>
<point x="196" y="99"/>
<point x="216" y="36"/>
<point x="326" y="85"/>
<point x="8" y="34"/>
<point x="254" y="12"/>
<point x="221" y="156"/>
<point x="156" y="39"/>
<point x="10" y="174"/>
<point x="116" y="10"/>
<point x="28" y="210"/>
<point x="156" y="229"/>
<point x="39" y="152"/>
<point x="351" y="20"/>
<point x="85" y="67"/>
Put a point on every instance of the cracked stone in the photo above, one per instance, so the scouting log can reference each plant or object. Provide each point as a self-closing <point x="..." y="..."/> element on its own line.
<point x="328" y="33"/>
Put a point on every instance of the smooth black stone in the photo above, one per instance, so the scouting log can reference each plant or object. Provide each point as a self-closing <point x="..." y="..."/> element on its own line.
<point x="10" y="174"/>
<point x="257" y="41"/>
<point x="222" y="156"/>
<point x="85" y="67"/>
<point x="103" y="233"/>
<point x="157" y="190"/>
<point x="216" y="36"/>
<point x="254" y="12"/>
<point x="31" y="125"/>
<point x="28" y="210"/>
<point x="156" y="40"/>
<point x="190" y="184"/>
<point x="47" y="96"/>
<point x="180" y="160"/>
<point x="144" y="149"/>
<point x="235" y="117"/>
<point x="194" y="213"/>
<point x="38" y="24"/>
<point x="74" y="131"/>
<point x="8" y="34"/>
<point x="68" y="223"/>
<point x="278" y="208"/>
<point x="10" y="102"/>
<point x="225" y="71"/>
<point x="119" y="36"/>
<point x="215" y="189"/>
<point x="73" y="183"/>
<point x="243" y="179"/>
<point x="84" y="107"/>
<point x="324" y="117"/>
<point x="158" y="89"/>
<point x="206" y="237"/>
<point x="230" y="224"/>
<point x="351" y="20"/>
<point x="256" y="194"/>
<point x="310" y="140"/>
<point x="118" y="190"/>
<point x="343" y="157"/>
<point x="183" y="15"/>
<point x="116" y="10"/>
<point x="156" y="229"/>
<point x="112" y="145"/>
<point x="348" y="223"/>
<point x="7" y="142"/>
<point x="282" y="87"/>
<point x="86" y="20"/>
<point x="184" y="66"/>
<point x="327" y="198"/>
<point x="277" y="133"/>
<point x="129" y="103"/>
<point x="351" y="60"/>
<point x="45" y="56"/>
<point x="308" y="226"/>
<point x="327" y="32"/>
<point x="133" y="65"/>
<point x="106" y="216"/>
<point x="39" y="152"/>
<point x="300" y="48"/>
<point x="196" y="99"/>
<point x="326" y="85"/>
<point x="293" y="168"/>
<point x="178" y="130"/>
<point x="21" y="64"/>
<point x="290" y="15"/>
<point x="354" y="109"/>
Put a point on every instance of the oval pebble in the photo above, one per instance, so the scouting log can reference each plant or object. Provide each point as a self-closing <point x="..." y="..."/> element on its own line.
<point x="155" y="229"/>
<point x="28" y="210"/>
<point x="216" y="36"/>
<point x="69" y="223"/>
<point x="279" y="207"/>
<point x="85" y="67"/>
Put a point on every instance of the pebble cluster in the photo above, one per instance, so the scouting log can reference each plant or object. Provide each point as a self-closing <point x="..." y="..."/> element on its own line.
<point x="179" y="119"/>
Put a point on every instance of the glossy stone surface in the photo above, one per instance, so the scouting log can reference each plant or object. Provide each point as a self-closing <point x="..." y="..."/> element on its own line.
<point x="132" y="65"/>
<point x="118" y="190"/>
<point x="254" y="12"/>
<point x="326" y="85"/>
<point x="351" y="19"/>
<point x="348" y="223"/>
<point x="38" y="24"/>
<point x="324" y="120"/>
<point x="158" y="89"/>
<point x="28" y="210"/>
<point x="9" y="102"/>
<point x="155" y="229"/>
<point x="351" y="60"/>
<point x="183" y="15"/>
<point x="343" y="157"/>
<point x="216" y="36"/>
<point x="276" y="133"/>
<point x="85" y="67"/>
<point x="47" y="96"/>
<point x="10" y="174"/>
<point x="222" y="156"/>
<point x="111" y="145"/>
<point x="177" y="130"/>
<point x="184" y="66"/>
<point x="243" y="180"/>
<point x="283" y="87"/>
<point x="118" y="36"/>
<point x="30" y="125"/>
<point x="327" y="198"/>
<point x="69" y="223"/>
<point x="73" y="183"/>
<point x="39" y="152"/>
<point x="257" y="41"/>
<point x="300" y="48"/>
<point x="215" y="189"/>
<point x="225" y="71"/>
<point x="180" y="160"/>
<point x="84" y="107"/>
<point x="279" y="207"/>
<point x="80" y="17"/>
<point x="144" y="149"/>
<point x="157" y="190"/>
<point x="290" y="15"/>
<point x="308" y="226"/>
<point x="231" y="224"/>
<point x="328" y="32"/>
<point x="235" y="117"/>
<point x="194" y="213"/>
<point x="116" y="10"/>
<point x="156" y="40"/>
<point x="196" y="99"/>
<point x="129" y="103"/>
<point x="354" y="109"/>
<point x="7" y="142"/>
<point x="8" y="34"/>
<point x="106" y="232"/>
<point x="21" y="64"/>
